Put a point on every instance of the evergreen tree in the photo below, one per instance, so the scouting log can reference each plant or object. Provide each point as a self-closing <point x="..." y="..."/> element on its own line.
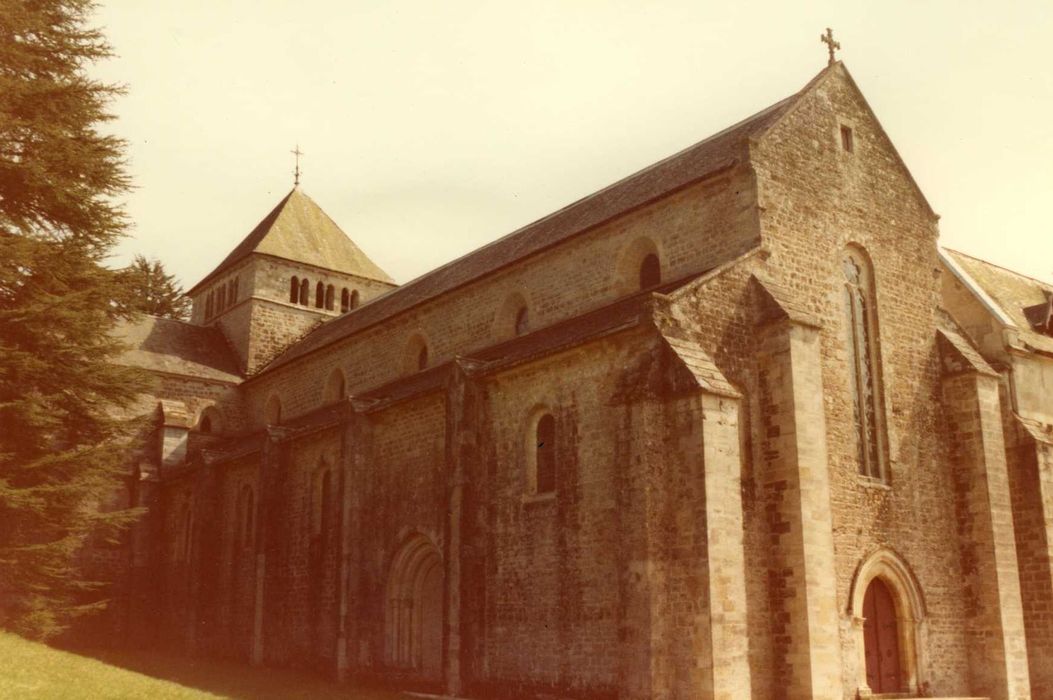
<point x="151" y="290"/>
<point x="63" y="444"/>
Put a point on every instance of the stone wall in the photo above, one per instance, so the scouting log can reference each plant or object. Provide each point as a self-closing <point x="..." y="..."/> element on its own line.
<point x="710" y="534"/>
<point x="693" y="230"/>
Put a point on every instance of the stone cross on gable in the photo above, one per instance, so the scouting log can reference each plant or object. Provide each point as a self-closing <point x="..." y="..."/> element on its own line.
<point x="296" y="173"/>
<point x="831" y="45"/>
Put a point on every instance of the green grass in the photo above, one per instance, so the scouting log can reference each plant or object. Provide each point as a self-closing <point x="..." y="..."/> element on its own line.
<point x="30" y="670"/>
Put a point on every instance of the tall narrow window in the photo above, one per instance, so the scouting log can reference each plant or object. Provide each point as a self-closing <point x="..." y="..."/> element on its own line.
<point x="865" y="380"/>
<point x="354" y="298"/>
<point x="650" y="272"/>
<point x="545" y="455"/>
<point x="208" y="306"/>
<point x="847" y="141"/>
<point x="319" y="295"/>
<point x="330" y="297"/>
<point x="294" y="290"/>
<point x="422" y="358"/>
<point x="345" y="301"/>
<point x="305" y="292"/>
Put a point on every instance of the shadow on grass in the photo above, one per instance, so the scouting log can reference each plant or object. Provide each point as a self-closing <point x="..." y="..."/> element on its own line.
<point x="240" y="681"/>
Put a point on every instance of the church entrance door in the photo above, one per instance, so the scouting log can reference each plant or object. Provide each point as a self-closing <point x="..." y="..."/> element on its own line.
<point x="415" y="610"/>
<point x="881" y="639"/>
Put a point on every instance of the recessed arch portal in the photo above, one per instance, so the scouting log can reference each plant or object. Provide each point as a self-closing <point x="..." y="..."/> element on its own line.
<point x="888" y="615"/>
<point x="414" y="615"/>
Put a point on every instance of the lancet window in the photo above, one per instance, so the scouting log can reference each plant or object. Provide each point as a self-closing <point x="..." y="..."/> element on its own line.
<point x="863" y="355"/>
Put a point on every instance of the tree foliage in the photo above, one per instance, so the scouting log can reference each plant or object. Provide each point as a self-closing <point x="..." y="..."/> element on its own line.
<point x="63" y="442"/>
<point x="151" y="290"/>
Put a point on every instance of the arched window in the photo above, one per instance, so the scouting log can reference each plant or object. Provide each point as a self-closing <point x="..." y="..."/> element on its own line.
<point x="345" y="301"/>
<point x="512" y="318"/>
<point x="294" y="290"/>
<point x="330" y="297"/>
<point x="638" y="266"/>
<point x="354" y="299"/>
<point x="272" y="414"/>
<point x="863" y="365"/>
<point x="650" y="272"/>
<point x="221" y="294"/>
<point x="319" y="295"/>
<point x="246" y="516"/>
<point x="210" y="422"/>
<point x="522" y="320"/>
<point x="232" y="292"/>
<point x="335" y="387"/>
<point x="305" y="292"/>
<point x="208" y="306"/>
<point x="416" y="357"/>
<point x="545" y="454"/>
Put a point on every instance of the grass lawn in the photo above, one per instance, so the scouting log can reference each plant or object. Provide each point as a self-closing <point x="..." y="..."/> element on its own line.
<point x="30" y="670"/>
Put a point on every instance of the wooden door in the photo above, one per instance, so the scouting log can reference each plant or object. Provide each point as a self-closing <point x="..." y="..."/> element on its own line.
<point x="881" y="639"/>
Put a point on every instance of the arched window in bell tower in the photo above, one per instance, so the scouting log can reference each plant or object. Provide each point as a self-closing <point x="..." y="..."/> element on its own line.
<point x="863" y="353"/>
<point x="294" y="290"/>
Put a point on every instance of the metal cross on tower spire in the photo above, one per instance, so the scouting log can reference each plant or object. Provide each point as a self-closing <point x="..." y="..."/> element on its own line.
<point x="831" y="45"/>
<point x="296" y="173"/>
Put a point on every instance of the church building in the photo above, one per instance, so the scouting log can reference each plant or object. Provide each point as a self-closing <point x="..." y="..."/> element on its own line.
<point x="734" y="427"/>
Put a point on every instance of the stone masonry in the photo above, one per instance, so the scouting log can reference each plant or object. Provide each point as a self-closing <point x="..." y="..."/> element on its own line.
<point x="732" y="427"/>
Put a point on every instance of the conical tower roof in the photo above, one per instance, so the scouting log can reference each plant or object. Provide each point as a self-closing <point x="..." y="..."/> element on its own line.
<point x="298" y="230"/>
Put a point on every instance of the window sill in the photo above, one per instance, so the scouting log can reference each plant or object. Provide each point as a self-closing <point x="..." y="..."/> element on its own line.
<point x="872" y="483"/>
<point x="532" y="498"/>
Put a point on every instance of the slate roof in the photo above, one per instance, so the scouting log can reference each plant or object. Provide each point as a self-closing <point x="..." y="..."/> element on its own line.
<point x="177" y="347"/>
<point x="707" y="158"/>
<point x="1012" y="292"/>
<point x="298" y="230"/>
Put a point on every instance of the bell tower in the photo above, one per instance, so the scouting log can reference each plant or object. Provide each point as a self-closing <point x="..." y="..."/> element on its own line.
<point x="295" y="270"/>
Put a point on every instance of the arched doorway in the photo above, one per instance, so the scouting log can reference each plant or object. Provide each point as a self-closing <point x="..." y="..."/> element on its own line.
<point x="881" y="639"/>
<point x="888" y="614"/>
<point x="414" y="616"/>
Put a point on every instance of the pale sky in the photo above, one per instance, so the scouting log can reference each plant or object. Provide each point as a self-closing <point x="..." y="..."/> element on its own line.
<point x="431" y="128"/>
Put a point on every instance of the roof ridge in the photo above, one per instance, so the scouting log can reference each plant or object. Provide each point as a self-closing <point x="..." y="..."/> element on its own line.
<point x="603" y="190"/>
